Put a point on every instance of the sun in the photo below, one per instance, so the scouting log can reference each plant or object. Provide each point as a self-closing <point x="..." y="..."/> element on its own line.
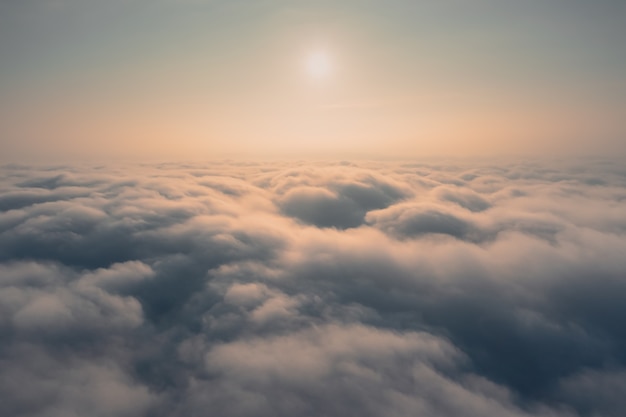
<point x="318" y="64"/>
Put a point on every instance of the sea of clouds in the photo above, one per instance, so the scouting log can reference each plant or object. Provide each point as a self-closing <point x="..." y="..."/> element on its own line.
<point x="441" y="288"/>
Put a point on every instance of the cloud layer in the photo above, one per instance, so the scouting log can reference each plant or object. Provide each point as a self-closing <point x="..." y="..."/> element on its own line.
<point x="313" y="289"/>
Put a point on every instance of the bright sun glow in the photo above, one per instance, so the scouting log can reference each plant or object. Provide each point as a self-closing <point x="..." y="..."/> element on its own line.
<point x="318" y="64"/>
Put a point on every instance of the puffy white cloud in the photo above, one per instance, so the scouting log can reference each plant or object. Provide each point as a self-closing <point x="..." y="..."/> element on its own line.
<point x="297" y="288"/>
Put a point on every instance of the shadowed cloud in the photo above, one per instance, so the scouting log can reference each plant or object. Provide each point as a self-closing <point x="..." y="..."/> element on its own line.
<point x="306" y="289"/>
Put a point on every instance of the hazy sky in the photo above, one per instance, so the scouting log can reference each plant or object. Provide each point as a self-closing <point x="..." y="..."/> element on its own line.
<point x="400" y="78"/>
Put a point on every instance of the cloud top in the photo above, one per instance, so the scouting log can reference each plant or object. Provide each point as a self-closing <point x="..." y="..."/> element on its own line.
<point x="306" y="289"/>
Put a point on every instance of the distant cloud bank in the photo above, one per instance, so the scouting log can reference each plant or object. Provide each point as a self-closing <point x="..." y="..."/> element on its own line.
<point x="314" y="289"/>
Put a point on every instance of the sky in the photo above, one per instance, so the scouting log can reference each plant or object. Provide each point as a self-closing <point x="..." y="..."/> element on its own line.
<point x="211" y="78"/>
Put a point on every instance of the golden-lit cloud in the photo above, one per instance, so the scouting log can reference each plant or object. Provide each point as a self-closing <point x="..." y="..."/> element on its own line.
<point x="298" y="288"/>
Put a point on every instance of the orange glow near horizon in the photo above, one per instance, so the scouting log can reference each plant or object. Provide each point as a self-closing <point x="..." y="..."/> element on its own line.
<point x="263" y="87"/>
